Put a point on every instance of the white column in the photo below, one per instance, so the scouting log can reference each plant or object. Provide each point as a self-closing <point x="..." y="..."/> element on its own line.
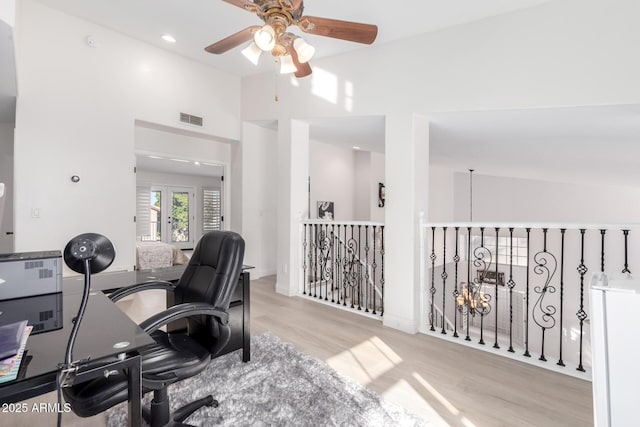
<point x="406" y="175"/>
<point x="293" y="173"/>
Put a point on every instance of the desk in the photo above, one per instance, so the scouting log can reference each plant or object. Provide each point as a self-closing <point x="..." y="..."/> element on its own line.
<point x="103" y="326"/>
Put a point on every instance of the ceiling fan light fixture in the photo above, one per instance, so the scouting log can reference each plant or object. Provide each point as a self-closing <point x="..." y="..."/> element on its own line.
<point x="265" y="38"/>
<point x="305" y="50"/>
<point x="252" y="53"/>
<point x="286" y="65"/>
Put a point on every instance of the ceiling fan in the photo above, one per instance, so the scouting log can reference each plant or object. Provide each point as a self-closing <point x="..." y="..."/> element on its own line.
<point x="292" y="51"/>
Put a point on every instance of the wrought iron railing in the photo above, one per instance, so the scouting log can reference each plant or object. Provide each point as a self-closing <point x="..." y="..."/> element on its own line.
<point x="343" y="263"/>
<point x="521" y="287"/>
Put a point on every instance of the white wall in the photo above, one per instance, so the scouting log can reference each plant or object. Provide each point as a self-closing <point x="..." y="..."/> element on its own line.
<point x="333" y="179"/>
<point x="259" y="195"/>
<point x="76" y="114"/>
<point x="502" y="199"/>
<point x="6" y="176"/>
<point x="441" y="195"/>
<point x="183" y="145"/>
<point x="362" y="185"/>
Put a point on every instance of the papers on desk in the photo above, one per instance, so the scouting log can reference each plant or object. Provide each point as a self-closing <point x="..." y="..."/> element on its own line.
<point x="10" y="366"/>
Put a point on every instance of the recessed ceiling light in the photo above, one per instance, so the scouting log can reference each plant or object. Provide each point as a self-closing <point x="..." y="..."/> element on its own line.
<point x="155" y="157"/>
<point x="355" y="147"/>
<point x="168" y="38"/>
<point x="180" y="160"/>
<point x="196" y="163"/>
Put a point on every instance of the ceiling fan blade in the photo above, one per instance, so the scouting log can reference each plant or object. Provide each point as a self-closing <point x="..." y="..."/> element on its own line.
<point x="345" y="30"/>
<point x="244" y="4"/>
<point x="232" y="41"/>
<point x="303" y="70"/>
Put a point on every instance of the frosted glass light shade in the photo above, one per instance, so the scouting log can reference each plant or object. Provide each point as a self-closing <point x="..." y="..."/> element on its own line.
<point x="305" y="50"/>
<point x="252" y="53"/>
<point x="265" y="38"/>
<point x="286" y="65"/>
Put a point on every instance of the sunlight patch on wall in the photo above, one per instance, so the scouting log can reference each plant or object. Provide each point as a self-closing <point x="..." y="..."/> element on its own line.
<point x="348" y="96"/>
<point x="324" y="85"/>
<point x="365" y="361"/>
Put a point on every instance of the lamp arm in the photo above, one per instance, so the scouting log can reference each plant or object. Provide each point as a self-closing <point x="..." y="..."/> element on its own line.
<point x="68" y="358"/>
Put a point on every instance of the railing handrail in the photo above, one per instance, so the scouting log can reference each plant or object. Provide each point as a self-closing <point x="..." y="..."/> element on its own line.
<point x="327" y="221"/>
<point x="520" y="225"/>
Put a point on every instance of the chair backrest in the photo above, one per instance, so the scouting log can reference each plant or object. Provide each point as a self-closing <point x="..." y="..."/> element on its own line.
<point x="213" y="270"/>
<point x="212" y="276"/>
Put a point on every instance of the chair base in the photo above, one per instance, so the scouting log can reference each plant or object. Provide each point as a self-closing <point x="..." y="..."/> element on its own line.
<point x="159" y="416"/>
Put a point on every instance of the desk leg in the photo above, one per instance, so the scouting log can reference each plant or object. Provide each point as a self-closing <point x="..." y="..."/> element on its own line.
<point x="135" y="392"/>
<point x="246" y="314"/>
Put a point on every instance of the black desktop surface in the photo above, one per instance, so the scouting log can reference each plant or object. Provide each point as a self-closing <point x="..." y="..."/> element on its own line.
<point x="104" y="332"/>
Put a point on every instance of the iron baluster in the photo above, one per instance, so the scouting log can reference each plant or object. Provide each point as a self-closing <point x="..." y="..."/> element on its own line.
<point x="626" y="252"/>
<point x="433" y="278"/>
<point x="602" y="233"/>
<point x="495" y="344"/>
<point x="456" y="260"/>
<point x="366" y="268"/>
<point x="345" y="273"/>
<point x="359" y="267"/>
<point x="352" y="272"/>
<point x="480" y="300"/>
<point x="444" y="276"/>
<point x="374" y="267"/>
<point x="315" y="260"/>
<point x="526" y="319"/>
<point x="581" y="314"/>
<point x="333" y="261"/>
<point x="467" y="300"/>
<point x="382" y="275"/>
<point x="546" y="265"/>
<point x="304" y="260"/>
<point x="511" y="284"/>
<point x="562" y="233"/>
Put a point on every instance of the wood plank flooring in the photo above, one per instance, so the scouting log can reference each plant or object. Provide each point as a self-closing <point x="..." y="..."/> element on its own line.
<point x="440" y="381"/>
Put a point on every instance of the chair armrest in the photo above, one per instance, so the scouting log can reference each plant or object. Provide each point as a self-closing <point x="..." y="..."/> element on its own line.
<point x="181" y="311"/>
<point x="145" y="286"/>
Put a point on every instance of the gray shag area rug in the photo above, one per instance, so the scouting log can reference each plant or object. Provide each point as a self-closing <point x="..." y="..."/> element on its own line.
<point x="280" y="386"/>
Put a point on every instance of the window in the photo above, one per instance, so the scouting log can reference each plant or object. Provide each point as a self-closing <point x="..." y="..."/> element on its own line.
<point x="211" y="209"/>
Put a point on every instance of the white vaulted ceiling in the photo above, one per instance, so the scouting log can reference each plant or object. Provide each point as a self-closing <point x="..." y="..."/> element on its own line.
<point x="198" y="23"/>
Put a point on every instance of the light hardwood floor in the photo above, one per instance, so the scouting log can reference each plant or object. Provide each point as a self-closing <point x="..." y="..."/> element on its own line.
<point x="443" y="382"/>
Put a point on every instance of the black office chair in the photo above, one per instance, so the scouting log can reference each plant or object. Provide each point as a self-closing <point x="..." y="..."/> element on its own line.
<point x="202" y="296"/>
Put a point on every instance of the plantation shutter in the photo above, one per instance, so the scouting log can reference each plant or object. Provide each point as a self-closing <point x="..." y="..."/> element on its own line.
<point x="211" y="209"/>
<point x="143" y="202"/>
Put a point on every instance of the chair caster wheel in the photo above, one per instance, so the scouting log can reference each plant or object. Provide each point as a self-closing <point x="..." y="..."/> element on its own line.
<point x="214" y="404"/>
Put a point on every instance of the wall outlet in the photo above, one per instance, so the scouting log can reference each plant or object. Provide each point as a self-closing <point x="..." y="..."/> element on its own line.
<point x="35" y="212"/>
<point x="285" y="268"/>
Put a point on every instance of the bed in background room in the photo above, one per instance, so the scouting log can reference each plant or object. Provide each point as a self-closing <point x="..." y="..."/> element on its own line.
<point x="158" y="255"/>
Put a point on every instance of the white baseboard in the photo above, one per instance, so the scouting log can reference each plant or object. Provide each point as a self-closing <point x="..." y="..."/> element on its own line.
<point x="285" y="290"/>
<point x="410" y="326"/>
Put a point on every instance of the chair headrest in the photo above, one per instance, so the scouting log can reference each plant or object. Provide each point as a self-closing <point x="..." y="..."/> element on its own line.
<point x="216" y="245"/>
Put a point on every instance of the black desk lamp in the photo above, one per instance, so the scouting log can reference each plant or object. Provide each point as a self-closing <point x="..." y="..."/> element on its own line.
<point x="86" y="253"/>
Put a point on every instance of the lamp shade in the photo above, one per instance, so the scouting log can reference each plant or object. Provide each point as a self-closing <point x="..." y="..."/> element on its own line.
<point x="252" y="53"/>
<point x="286" y="65"/>
<point x="305" y="50"/>
<point x="265" y="38"/>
